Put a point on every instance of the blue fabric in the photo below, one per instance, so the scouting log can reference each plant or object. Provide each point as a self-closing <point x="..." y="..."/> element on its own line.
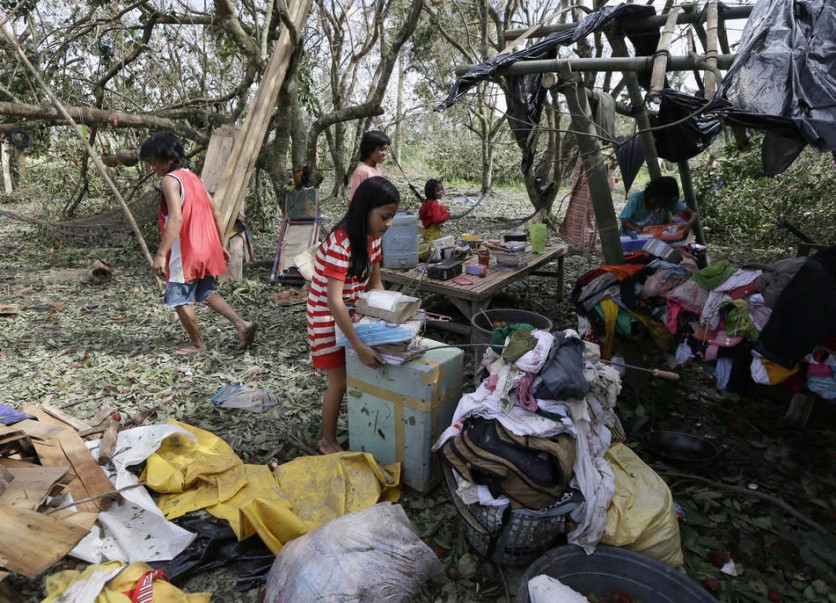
<point x="183" y="294"/>
<point x="636" y="212"/>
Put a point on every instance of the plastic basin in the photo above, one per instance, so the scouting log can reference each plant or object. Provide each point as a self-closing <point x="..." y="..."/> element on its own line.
<point x="611" y="569"/>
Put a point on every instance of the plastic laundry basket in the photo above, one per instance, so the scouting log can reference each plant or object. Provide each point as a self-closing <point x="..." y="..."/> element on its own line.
<point x="508" y="536"/>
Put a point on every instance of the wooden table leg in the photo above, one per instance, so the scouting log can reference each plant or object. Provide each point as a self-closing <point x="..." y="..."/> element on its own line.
<point x="560" y="278"/>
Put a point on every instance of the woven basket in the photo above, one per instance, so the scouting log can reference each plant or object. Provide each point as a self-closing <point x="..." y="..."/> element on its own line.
<point x="513" y="537"/>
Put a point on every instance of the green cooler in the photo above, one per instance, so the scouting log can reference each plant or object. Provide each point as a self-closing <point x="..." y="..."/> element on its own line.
<point x="397" y="412"/>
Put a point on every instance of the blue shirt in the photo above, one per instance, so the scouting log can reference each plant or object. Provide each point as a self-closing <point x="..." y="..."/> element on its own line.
<point x="636" y="212"/>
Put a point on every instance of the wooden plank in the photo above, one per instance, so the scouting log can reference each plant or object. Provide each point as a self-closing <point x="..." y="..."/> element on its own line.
<point x="39" y="430"/>
<point x="31" y="542"/>
<point x="31" y="486"/>
<point x="217" y="155"/>
<point x="70" y="420"/>
<point x="100" y="416"/>
<point x="242" y="158"/>
<point x="67" y="449"/>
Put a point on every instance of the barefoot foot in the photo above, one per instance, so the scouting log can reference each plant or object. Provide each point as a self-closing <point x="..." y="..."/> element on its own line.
<point x="246" y="335"/>
<point x="329" y="447"/>
<point x="190" y="348"/>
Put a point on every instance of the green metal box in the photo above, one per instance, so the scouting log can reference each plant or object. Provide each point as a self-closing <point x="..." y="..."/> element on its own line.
<point x="397" y="412"/>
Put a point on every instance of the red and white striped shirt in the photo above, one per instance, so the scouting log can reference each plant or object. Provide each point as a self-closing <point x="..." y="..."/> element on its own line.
<point x="332" y="261"/>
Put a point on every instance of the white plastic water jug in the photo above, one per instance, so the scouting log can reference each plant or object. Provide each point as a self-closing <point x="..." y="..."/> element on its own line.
<point x="400" y="242"/>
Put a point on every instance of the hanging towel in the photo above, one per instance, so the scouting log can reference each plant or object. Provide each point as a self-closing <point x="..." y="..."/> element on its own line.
<point x="579" y="226"/>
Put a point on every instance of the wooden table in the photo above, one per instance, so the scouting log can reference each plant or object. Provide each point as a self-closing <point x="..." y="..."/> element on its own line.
<point x="471" y="299"/>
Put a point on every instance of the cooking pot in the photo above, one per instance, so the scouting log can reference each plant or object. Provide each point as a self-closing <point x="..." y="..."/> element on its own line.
<point x="662" y="250"/>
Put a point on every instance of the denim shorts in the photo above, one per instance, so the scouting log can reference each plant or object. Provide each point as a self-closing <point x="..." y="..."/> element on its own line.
<point x="182" y="294"/>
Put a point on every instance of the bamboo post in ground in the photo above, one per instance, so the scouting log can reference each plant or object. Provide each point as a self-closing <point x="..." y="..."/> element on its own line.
<point x="593" y="165"/>
<point x="690" y="197"/>
<point x="711" y="72"/>
<point x="93" y="156"/>
<point x="660" y="63"/>
<point x="236" y="175"/>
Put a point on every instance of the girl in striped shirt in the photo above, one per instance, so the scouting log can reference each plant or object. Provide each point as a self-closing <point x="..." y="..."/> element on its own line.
<point x="347" y="263"/>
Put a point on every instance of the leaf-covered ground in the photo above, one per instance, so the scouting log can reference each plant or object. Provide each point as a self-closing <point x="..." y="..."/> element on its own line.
<point x="112" y="344"/>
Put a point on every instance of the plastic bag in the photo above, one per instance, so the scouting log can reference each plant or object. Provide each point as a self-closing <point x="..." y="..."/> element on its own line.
<point x="243" y="397"/>
<point x="371" y="555"/>
<point x="641" y="516"/>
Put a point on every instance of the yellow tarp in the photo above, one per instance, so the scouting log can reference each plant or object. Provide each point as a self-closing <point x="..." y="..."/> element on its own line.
<point x="301" y="495"/>
<point x="163" y="592"/>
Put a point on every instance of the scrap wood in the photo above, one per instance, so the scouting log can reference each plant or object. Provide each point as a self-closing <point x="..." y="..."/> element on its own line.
<point x="70" y="420"/>
<point x="38" y="430"/>
<point x="10" y="434"/>
<point x="6" y="478"/>
<point x="100" y="416"/>
<point x="67" y="449"/>
<point x="11" y="310"/>
<point x="107" y="447"/>
<point x="32" y="542"/>
<point x="31" y="485"/>
<point x="98" y="273"/>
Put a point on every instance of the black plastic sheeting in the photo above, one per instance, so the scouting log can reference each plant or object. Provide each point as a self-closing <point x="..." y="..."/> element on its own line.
<point x="783" y="80"/>
<point x="526" y="95"/>
<point x="216" y="546"/>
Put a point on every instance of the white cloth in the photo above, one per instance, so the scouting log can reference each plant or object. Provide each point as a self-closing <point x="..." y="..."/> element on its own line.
<point x="545" y="589"/>
<point x="136" y="530"/>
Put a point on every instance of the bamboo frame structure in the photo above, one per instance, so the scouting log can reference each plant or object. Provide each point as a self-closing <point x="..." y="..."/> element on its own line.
<point x="659" y="64"/>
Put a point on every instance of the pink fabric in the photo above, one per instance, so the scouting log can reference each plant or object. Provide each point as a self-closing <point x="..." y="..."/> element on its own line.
<point x="525" y="398"/>
<point x="361" y="172"/>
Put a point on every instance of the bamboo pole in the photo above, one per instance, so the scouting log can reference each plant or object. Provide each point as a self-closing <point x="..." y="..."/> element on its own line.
<point x="599" y="187"/>
<point x="236" y="175"/>
<point x="640" y="113"/>
<point x="660" y="63"/>
<point x="690" y="197"/>
<point x="622" y="64"/>
<point x="711" y="73"/>
<point x="12" y="39"/>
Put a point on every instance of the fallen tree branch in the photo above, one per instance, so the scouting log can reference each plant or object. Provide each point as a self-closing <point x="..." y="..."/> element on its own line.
<point x="753" y="493"/>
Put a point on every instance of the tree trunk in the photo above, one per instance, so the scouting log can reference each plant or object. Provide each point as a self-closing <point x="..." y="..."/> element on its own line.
<point x="399" y="112"/>
<point x="6" y="160"/>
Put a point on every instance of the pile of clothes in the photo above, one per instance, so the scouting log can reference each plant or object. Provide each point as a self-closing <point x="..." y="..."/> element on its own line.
<point x="769" y="324"/>
<point x="537" y="428"/>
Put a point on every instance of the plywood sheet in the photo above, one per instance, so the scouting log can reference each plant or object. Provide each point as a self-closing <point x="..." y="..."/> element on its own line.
<point x="220" y="146"/>
<point x="31" y="542"/>
<point x="67" y="449"/>
<point x="39" y="430"/>
<point x="31" y="485"/>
